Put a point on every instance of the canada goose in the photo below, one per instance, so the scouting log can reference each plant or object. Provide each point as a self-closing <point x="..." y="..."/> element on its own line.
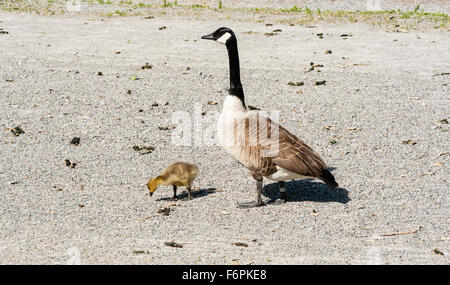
<point x="177" y="174"/>
<point x="239" y="131"/>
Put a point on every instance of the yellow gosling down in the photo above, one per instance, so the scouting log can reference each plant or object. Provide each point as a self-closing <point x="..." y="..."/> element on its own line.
<point x="177" y="174"/>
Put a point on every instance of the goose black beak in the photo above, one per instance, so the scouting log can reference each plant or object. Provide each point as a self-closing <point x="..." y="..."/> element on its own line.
<point x="151" y="194"/>
<point x="208" y="37"/>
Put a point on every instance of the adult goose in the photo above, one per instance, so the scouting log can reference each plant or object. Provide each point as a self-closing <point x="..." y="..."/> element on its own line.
<point x="265" y="148"/>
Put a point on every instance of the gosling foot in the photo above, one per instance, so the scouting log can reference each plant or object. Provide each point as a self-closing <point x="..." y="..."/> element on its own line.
<point x="189" y="190"/>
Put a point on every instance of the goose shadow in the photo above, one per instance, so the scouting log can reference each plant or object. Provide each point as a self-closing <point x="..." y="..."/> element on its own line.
<point x="307" y="190"/>
<point x="183" y="194"/>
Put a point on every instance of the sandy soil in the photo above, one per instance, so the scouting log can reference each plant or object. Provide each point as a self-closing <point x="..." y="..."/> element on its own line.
<point x="380" y="122"/>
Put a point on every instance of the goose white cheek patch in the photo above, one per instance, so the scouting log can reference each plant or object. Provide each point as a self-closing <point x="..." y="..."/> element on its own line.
<point x="224" y="38"/>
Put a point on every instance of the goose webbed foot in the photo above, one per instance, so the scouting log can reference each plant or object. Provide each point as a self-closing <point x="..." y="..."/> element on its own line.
<point x="258" y="202"/>
<point x="283" y="197"/>
<point x="250" y="205"/>
<point x="278" y="201"/>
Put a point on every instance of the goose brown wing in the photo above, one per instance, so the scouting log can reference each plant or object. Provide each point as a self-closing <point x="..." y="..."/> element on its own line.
<point x="296" y="156"/>
<point x="291" y="153"/>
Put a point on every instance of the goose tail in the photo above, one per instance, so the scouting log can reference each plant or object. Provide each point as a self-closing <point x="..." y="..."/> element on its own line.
<point x="328" y="178"/>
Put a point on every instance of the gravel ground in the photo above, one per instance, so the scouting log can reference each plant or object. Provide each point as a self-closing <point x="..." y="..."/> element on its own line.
<point x="380" y="122"/>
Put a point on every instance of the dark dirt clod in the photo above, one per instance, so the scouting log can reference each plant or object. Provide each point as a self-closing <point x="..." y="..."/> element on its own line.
<point x="277" y="31"/>
<point x="147" y="66"/>
<point x="437" y="251"/>
<point x="17" y="131"/>
<point x="160" y="103"/>
<point x="243" y="244"/>
<point x="319" y="82"/>
<point x="173" y="244"/>
<point x="144" y="149"/>
<point x="165" y="211"/>
<point x="75" y="141"/>
<point x="300" y="83"/>
<point x="70" y="164"/>
<point x="410" y="142"/>
<point x="166" y="128"/>
<point x="140" y="251"/>
<point x="100" y="73"/>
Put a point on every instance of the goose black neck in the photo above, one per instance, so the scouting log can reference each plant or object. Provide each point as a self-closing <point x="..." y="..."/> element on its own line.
<point x="235" y="76"/>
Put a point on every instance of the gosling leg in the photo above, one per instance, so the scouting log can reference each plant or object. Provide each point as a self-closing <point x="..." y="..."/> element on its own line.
<point x="258" y="202"/>
<point x="174" y="193"/>
<point x="189" y="192"/>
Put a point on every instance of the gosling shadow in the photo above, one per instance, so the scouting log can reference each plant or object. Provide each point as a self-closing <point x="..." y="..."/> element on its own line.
<point x="182" y="194"/>
<point x="307" y="190"/>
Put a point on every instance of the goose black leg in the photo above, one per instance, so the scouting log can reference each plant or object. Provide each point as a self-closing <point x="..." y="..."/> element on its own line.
<point x="174" y="193"/>
<point x="258" y="202"/>
<point x="283" y="196"/>
<point x="189" y="192"/>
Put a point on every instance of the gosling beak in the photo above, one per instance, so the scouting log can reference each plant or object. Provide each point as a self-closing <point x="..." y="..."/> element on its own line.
<point x="151" y="193"/>
<point x="208" y="37"/>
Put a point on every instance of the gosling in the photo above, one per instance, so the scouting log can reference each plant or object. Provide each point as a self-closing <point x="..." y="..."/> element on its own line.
<point x="177" y="174"/>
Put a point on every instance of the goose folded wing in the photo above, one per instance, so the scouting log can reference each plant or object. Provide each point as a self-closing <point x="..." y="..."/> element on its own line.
<point x="288" y="151"/>
<point x="296" y="156"/>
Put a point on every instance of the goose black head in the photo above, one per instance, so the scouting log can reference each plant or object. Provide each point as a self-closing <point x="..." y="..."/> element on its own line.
<point x="227" y="37"/>
<point x="222" y="35"/>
